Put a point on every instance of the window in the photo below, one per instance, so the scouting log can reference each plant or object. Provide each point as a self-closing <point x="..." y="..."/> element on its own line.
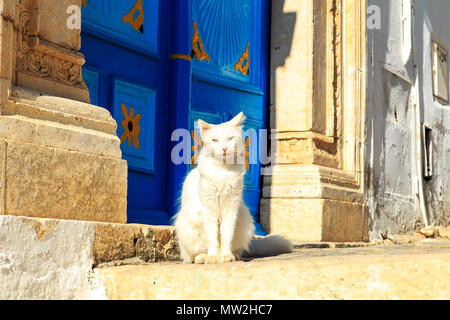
<point x="440" y="73"/>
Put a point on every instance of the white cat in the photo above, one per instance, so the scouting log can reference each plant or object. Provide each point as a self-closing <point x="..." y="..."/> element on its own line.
<point x="213" y="224"/>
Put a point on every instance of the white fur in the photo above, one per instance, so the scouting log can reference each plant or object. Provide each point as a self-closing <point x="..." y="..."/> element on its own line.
<point x="213" y="224"/>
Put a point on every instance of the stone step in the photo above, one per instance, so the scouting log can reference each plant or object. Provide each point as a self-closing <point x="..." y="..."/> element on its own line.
<point x="418" y="271"/>
<point x="67" y="259"/>
<point x="52" y="258"/>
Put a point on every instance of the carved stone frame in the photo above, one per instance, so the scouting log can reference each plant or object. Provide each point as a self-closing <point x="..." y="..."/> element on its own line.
<point x="46" y="62"/>
<point x="315" y="189"/>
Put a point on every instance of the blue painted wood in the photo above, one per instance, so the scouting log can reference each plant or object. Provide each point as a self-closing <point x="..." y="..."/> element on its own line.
<point x="143" y="102"/>
<point x="227" y="100"/>
<point x="105" y="19"/>
<point x="133" y="68"/>
<point x="251" y="130"/>
<point x="210" y="90"/>
<point x="145" y="217"/>
<point x="226" y="27"/>
<point x="180" y="94"/>
<point x="91" y="77"/>
<point x="218" y="91"/>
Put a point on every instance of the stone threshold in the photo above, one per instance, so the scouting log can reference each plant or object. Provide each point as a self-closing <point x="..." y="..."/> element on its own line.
<point x="408" y="271"/>
<point x="43" y="258"/>
<point x="115" y="244"/>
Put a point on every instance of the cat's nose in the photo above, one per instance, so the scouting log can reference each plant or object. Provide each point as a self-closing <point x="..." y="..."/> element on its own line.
<point x="224" y="150"/>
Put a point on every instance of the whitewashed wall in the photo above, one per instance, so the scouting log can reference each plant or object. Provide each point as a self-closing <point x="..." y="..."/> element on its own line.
<point x="433" y="24"/>
<point x="394" y="180"/>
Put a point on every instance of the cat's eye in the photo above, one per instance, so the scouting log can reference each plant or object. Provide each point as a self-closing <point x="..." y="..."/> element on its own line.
<point x="215" y="140"/>
<point x="231" y="138"/>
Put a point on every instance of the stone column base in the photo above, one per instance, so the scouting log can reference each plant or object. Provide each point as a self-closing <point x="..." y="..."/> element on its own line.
<point x="60" y="158"/>
<point x="313" y="203"/>
<point x="315" y="219"/>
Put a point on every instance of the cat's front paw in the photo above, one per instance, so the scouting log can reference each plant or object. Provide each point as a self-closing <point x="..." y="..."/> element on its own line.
<point x="211" y="259"/>
<point x="227" y="258"/>
<point x="200" y="259"/>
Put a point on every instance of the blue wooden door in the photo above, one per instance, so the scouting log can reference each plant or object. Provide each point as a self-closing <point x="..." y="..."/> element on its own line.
<point x="228" y="43"/>
<point x="126" y="72"/>
<point x="229" y="73"/>
<point x="174" y="62"/>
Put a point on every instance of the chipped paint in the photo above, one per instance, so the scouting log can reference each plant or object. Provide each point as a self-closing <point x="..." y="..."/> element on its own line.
<point x="42" y="227"/>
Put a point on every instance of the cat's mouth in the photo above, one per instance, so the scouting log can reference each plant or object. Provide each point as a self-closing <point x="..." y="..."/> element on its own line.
<point x="230" y="157"/>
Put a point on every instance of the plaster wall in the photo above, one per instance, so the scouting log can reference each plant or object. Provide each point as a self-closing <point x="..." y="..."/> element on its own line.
<point x="390" y="158"/>
<point x="45" y="259"/>
<point x="433" y="24"/>
<point x="395" y="176"/>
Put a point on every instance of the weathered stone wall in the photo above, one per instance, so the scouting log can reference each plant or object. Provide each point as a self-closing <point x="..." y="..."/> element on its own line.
<point x="432" y="24"/>
<point x="397" y="105"/>
<point x="390" y="128"/>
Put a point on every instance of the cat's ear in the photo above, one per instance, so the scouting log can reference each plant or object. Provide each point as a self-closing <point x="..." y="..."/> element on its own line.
<point x="203" y="126"/>
<point x="238" y="120"/>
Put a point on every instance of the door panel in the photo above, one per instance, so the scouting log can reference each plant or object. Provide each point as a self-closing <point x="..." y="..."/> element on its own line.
<point x="137" y="105"/>
<point x="127" y="45"/>
<point x="132" y="24"/>
<point x="229" y="67"/>
<point x="126" y="72"/>
<point x="230" y="33"/>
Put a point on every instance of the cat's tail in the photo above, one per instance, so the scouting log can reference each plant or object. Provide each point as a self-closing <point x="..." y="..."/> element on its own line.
<point x="271" y="245"/>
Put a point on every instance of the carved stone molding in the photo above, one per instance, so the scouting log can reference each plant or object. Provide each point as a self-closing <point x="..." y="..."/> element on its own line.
<point x="46" y="50"/>
<point x="44" y="60"/>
